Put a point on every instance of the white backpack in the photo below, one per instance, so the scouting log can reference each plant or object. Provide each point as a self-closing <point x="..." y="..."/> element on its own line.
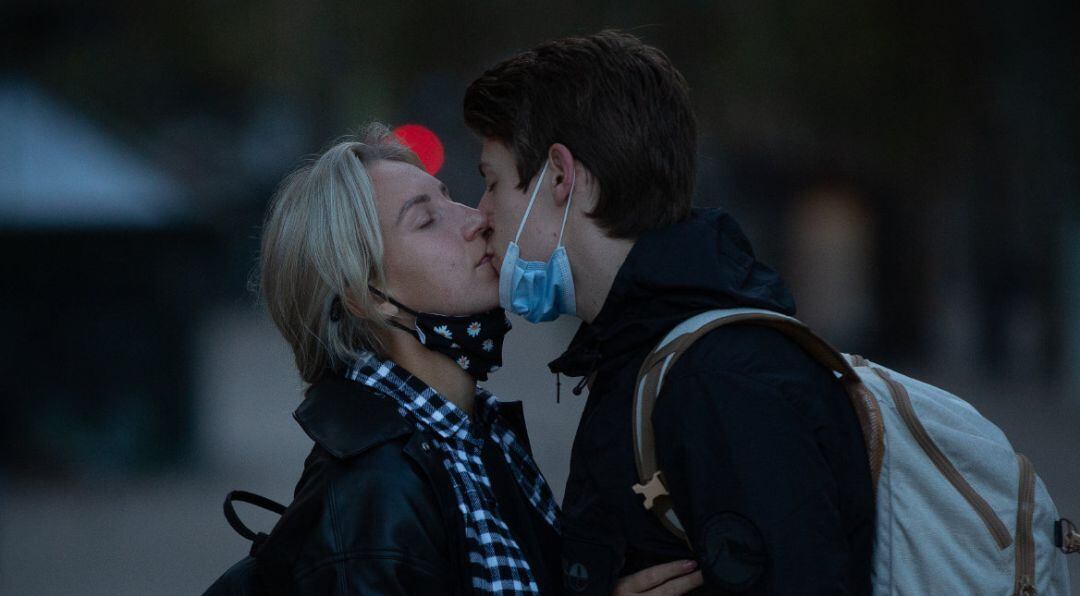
<point x="958" y="511"/>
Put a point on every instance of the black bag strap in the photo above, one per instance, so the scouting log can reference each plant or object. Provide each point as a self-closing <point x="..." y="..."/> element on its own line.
<point x="270" y="574"/>
<point x="244" y="496"/>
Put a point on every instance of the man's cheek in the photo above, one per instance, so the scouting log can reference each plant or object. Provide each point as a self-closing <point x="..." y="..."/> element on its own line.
<point x="504" y="229"/>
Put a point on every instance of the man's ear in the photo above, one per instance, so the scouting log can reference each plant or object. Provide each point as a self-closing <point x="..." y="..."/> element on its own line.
<point x="563" y="173"/>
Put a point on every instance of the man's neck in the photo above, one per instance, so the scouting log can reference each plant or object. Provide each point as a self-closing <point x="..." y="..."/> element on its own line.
<point x="436" y="370"/>
<point x="595" y="261"/>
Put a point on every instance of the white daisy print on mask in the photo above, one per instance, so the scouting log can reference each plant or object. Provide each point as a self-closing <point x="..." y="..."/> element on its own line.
<point x="444" y="331"/>
<point x="488" y="345"/>
<point x="473" y="329"/>
<point x="463" y="362"/>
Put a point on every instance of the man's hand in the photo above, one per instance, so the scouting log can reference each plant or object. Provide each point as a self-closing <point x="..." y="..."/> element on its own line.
<point x="668" y="579"/>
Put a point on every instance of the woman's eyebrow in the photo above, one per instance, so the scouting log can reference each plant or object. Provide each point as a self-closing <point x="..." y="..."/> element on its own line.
<point x="424" y="198"/>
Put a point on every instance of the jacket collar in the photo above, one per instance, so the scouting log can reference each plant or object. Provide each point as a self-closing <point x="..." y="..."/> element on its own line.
<point x="702" y="263"/>
<point x="346" y="418"/>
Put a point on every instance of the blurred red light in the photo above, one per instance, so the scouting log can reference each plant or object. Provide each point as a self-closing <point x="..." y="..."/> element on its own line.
<point x="424" y="143"/>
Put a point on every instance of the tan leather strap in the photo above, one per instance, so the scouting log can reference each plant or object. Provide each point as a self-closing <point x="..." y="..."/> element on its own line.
<point x="1024" y="573"/>
<point x="990" y="518"/>
<point x="663" y="358"/>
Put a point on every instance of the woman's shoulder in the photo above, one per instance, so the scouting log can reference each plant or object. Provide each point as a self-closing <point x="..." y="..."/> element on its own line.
<point x="372" y="517"/>
<point x="366" y="454"/>
<point x="368" y="463"/>
<point x="376" y="480"/>
<point x="378" y="503"/>
<point x="384" y="463"/>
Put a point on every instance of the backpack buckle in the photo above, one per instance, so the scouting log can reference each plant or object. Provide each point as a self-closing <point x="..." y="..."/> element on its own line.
<point x="1066" y="537"/>
<point x="652" y="490"/>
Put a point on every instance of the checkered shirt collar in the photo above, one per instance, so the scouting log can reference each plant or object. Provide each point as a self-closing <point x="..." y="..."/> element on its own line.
<point x="436" y="412"/>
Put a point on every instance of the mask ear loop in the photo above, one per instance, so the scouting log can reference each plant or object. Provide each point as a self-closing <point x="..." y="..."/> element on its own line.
<point x="532" y="200"/>
<point x="566" y="213"/>
<point x="393" y="322"/>
<point x="391" y="300"/>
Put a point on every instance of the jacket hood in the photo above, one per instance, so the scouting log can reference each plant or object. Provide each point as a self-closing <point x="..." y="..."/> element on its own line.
<point x="702" y="263"/>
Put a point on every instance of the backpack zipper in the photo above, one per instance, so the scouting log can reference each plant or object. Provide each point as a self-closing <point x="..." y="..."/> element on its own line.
<point x="903" y="403"/>
<point x="1025" y="540"/>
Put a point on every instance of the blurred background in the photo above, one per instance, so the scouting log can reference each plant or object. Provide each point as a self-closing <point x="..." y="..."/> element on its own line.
<point x="911" y="168"/>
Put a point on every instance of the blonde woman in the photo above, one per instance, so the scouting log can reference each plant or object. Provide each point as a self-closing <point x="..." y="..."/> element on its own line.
<point x="420" y="481"/>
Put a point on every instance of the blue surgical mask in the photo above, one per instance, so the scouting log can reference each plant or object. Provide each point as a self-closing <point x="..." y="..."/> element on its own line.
<point x="536" y="290"/>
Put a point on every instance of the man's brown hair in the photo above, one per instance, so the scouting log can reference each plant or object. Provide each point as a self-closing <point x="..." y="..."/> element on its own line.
<point x="621" y="108"/>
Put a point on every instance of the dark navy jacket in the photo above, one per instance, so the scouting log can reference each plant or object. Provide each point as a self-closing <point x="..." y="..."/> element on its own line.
<point x="761" y="450"/>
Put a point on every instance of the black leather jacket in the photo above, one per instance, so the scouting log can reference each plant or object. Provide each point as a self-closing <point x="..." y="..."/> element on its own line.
<point x="374" y="511"/>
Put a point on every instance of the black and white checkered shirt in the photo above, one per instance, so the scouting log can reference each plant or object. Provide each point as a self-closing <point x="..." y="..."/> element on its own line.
<point x="497" y="562"/>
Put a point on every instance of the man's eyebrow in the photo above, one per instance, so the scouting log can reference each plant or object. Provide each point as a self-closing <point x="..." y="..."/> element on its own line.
<point x="481" y="167"/>
<point x="424" y="198"/>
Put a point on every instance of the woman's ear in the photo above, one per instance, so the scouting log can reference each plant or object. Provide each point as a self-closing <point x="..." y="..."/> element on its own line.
<point x="563" y="173"/>
<point x="382" y="305"/>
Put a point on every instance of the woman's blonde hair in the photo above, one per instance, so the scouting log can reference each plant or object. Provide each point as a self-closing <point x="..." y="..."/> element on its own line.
<point x="321" y="243"/>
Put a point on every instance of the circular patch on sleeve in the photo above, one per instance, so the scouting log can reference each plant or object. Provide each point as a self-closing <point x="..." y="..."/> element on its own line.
<point x="732" y="550"/>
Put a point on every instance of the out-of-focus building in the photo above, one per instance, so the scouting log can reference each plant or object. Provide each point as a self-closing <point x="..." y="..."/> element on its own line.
<point x="105" y="271"/>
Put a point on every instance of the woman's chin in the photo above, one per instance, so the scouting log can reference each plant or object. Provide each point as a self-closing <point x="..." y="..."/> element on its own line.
<point x="480" y="296"/>
<point x="491" y="305"/>
<point x="488" y="292"/>
<point x="474" y="307"/>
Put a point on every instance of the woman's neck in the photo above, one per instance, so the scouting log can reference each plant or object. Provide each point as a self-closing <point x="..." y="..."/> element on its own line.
<point x="437" y="370"/>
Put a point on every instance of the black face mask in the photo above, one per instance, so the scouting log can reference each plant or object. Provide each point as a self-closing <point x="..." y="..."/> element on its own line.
<point x="475" y="342"/>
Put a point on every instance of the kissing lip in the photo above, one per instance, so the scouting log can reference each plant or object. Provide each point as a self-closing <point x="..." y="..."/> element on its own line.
<point x="487" y="258"/>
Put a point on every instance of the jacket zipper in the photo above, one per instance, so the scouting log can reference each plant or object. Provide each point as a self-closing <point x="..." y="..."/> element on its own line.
<point x="1025" y="540"/>
<point x="903" y="403"/>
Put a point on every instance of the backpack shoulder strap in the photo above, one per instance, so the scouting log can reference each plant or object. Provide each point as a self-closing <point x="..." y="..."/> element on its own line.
<point x="668" y="351"/>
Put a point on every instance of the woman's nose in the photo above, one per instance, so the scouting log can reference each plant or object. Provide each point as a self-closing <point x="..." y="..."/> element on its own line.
<point x="476" y="224"/>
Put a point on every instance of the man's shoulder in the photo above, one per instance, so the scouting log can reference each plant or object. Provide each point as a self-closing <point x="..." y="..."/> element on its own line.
<point x="743" y="349"/>
<point x="748" y="367"/>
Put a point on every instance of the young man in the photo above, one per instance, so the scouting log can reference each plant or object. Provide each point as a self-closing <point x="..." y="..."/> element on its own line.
<point x="588" y="159"/>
